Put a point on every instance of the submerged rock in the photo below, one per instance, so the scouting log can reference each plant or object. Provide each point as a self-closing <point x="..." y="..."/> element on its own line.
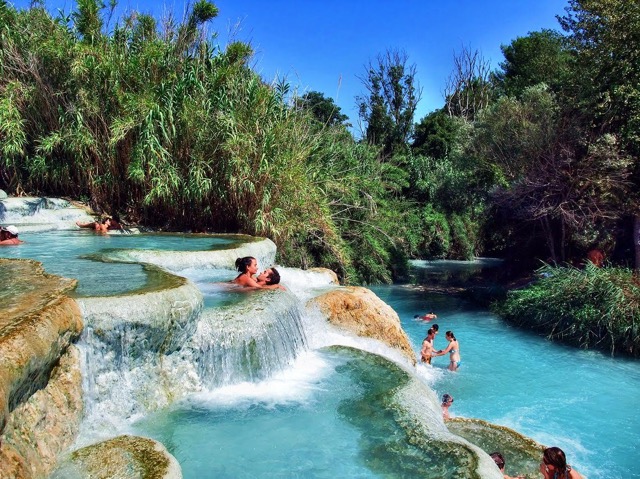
<point x="522" y="454"/>
<point x="361" y="312"/>
<point x="123" y="457"/>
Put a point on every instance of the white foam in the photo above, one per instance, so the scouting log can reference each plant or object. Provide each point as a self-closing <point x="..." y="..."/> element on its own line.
<point x="294" y="385"/>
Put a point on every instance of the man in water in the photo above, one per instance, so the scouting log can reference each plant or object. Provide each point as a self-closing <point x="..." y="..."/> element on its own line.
<point x="9" y="236"/>
<point x="426" y="353"/>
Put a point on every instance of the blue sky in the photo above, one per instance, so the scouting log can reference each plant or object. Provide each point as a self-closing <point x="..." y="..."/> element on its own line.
<point x="324" y="45"/>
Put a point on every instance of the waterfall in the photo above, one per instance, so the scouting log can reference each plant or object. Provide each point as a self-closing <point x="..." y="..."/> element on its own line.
<point x="143" y="352"/>
<point x="249" y="341"/>
<point x="38" y="214"/>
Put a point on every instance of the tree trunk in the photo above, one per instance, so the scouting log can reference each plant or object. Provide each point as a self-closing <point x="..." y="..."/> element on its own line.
<point x="636" y="241"/>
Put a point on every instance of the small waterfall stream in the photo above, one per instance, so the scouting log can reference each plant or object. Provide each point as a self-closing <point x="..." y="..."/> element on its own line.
<point x="150" y="353"/>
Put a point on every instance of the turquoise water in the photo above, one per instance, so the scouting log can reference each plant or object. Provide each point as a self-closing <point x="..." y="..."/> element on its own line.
<point x="584" y="402"/>
<point x="330" y="416"/>
<point x="67" y="253"/>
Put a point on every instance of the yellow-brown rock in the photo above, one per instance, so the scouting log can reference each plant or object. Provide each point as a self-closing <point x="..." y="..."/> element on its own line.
<point x="38" y="322"/>
<point x="361" y="312"/>
<point x="38" y="430"/>
<point x="123" y="457"/>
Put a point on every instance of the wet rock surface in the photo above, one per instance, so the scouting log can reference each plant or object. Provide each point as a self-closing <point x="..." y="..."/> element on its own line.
<point x="361" y="312"/>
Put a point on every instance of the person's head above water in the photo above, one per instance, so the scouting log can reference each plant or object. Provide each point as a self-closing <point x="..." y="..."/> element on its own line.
<point x="498" y="459"/>
<point x="245" y="264"/>
<point x="435" y="328"/>
<point x="273" y="276"/>
<point x="10" y="231"/>
<point x="269" y="276"/>
<point x="555" y="458"/>
<point x="447" y="399"/>
<point x="450" y="335"/>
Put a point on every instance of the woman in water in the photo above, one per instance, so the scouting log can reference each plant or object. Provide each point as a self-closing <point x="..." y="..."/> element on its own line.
<point x="248" y="267"/>
<point x="554" y="465"/>
<point x="454" y="351"/>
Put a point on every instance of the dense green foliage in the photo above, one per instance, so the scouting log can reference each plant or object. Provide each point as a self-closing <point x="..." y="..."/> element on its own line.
<point x="591" y="307"/>
<point x="159" y="124"/>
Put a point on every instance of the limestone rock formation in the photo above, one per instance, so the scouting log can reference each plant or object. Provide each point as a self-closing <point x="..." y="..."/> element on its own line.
<point x="361" y="312"/>
<point x="40" y="395"/>
<point x="46" y="424"/>
<point x="124" y="457"/>
<point x="522" y="454"/>
<point x="327" y="272"/>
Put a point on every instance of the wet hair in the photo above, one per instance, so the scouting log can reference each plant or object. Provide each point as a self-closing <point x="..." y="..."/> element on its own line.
<point x="498" y="459"/>
<point x="451" y="335"/>
<point x="446" y="399"/>
<point x="242" y="264"/>
<point x="430" y="331"/>
<point x="555" y="456"/>
<point x="273" y="277"/>
<point x="435" y="327"/>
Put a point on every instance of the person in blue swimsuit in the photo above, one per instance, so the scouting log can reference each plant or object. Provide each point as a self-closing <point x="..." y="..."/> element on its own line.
<point x="554" y="465"/>
<point x="454" y="351"/>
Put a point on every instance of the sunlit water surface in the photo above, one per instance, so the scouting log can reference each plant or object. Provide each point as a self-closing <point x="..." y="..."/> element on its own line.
<point x="319" y="418"/>
<point x="584" y="402"/>
<point x="74" y="254"/>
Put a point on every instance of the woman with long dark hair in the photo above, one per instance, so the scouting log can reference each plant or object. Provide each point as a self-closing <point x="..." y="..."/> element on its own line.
<point x="554" y="465"/>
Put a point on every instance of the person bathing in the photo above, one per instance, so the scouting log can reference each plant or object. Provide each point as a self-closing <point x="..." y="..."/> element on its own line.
<point x="248" y="268"/>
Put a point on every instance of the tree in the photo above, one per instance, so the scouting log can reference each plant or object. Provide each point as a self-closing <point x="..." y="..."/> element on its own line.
<point x="549" y="175"/>
<point x="392" y="96"/>
<point x="435" y="135"/>
<point x="539" y="57"/>
<point x="604" y="37"/>
<point x="468" y="88"/>
<point x="322" y="108"/>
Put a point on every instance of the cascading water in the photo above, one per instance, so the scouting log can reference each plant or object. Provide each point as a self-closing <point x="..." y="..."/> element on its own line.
<point x="38" y="214"/>
<point x="247" y="342"/>
<point x="167" y="348"/>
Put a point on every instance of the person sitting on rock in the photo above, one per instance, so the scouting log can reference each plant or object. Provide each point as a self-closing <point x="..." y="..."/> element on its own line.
<point x="9" y="236"/>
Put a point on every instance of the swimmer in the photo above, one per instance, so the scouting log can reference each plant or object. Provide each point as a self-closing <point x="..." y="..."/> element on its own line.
<point x="248" y="267"/>
<point x="427" y="317"/>
<point x="554" y="465"/>
<point x="9" y="236"/>
<point x="454" y="351"/>
<point x="447" y="401"/>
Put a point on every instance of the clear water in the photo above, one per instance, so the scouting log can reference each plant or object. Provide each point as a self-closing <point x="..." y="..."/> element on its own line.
<point x="331" y="415"/>
<point x="72" y="254"/>
<point x="584" y="402"/>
